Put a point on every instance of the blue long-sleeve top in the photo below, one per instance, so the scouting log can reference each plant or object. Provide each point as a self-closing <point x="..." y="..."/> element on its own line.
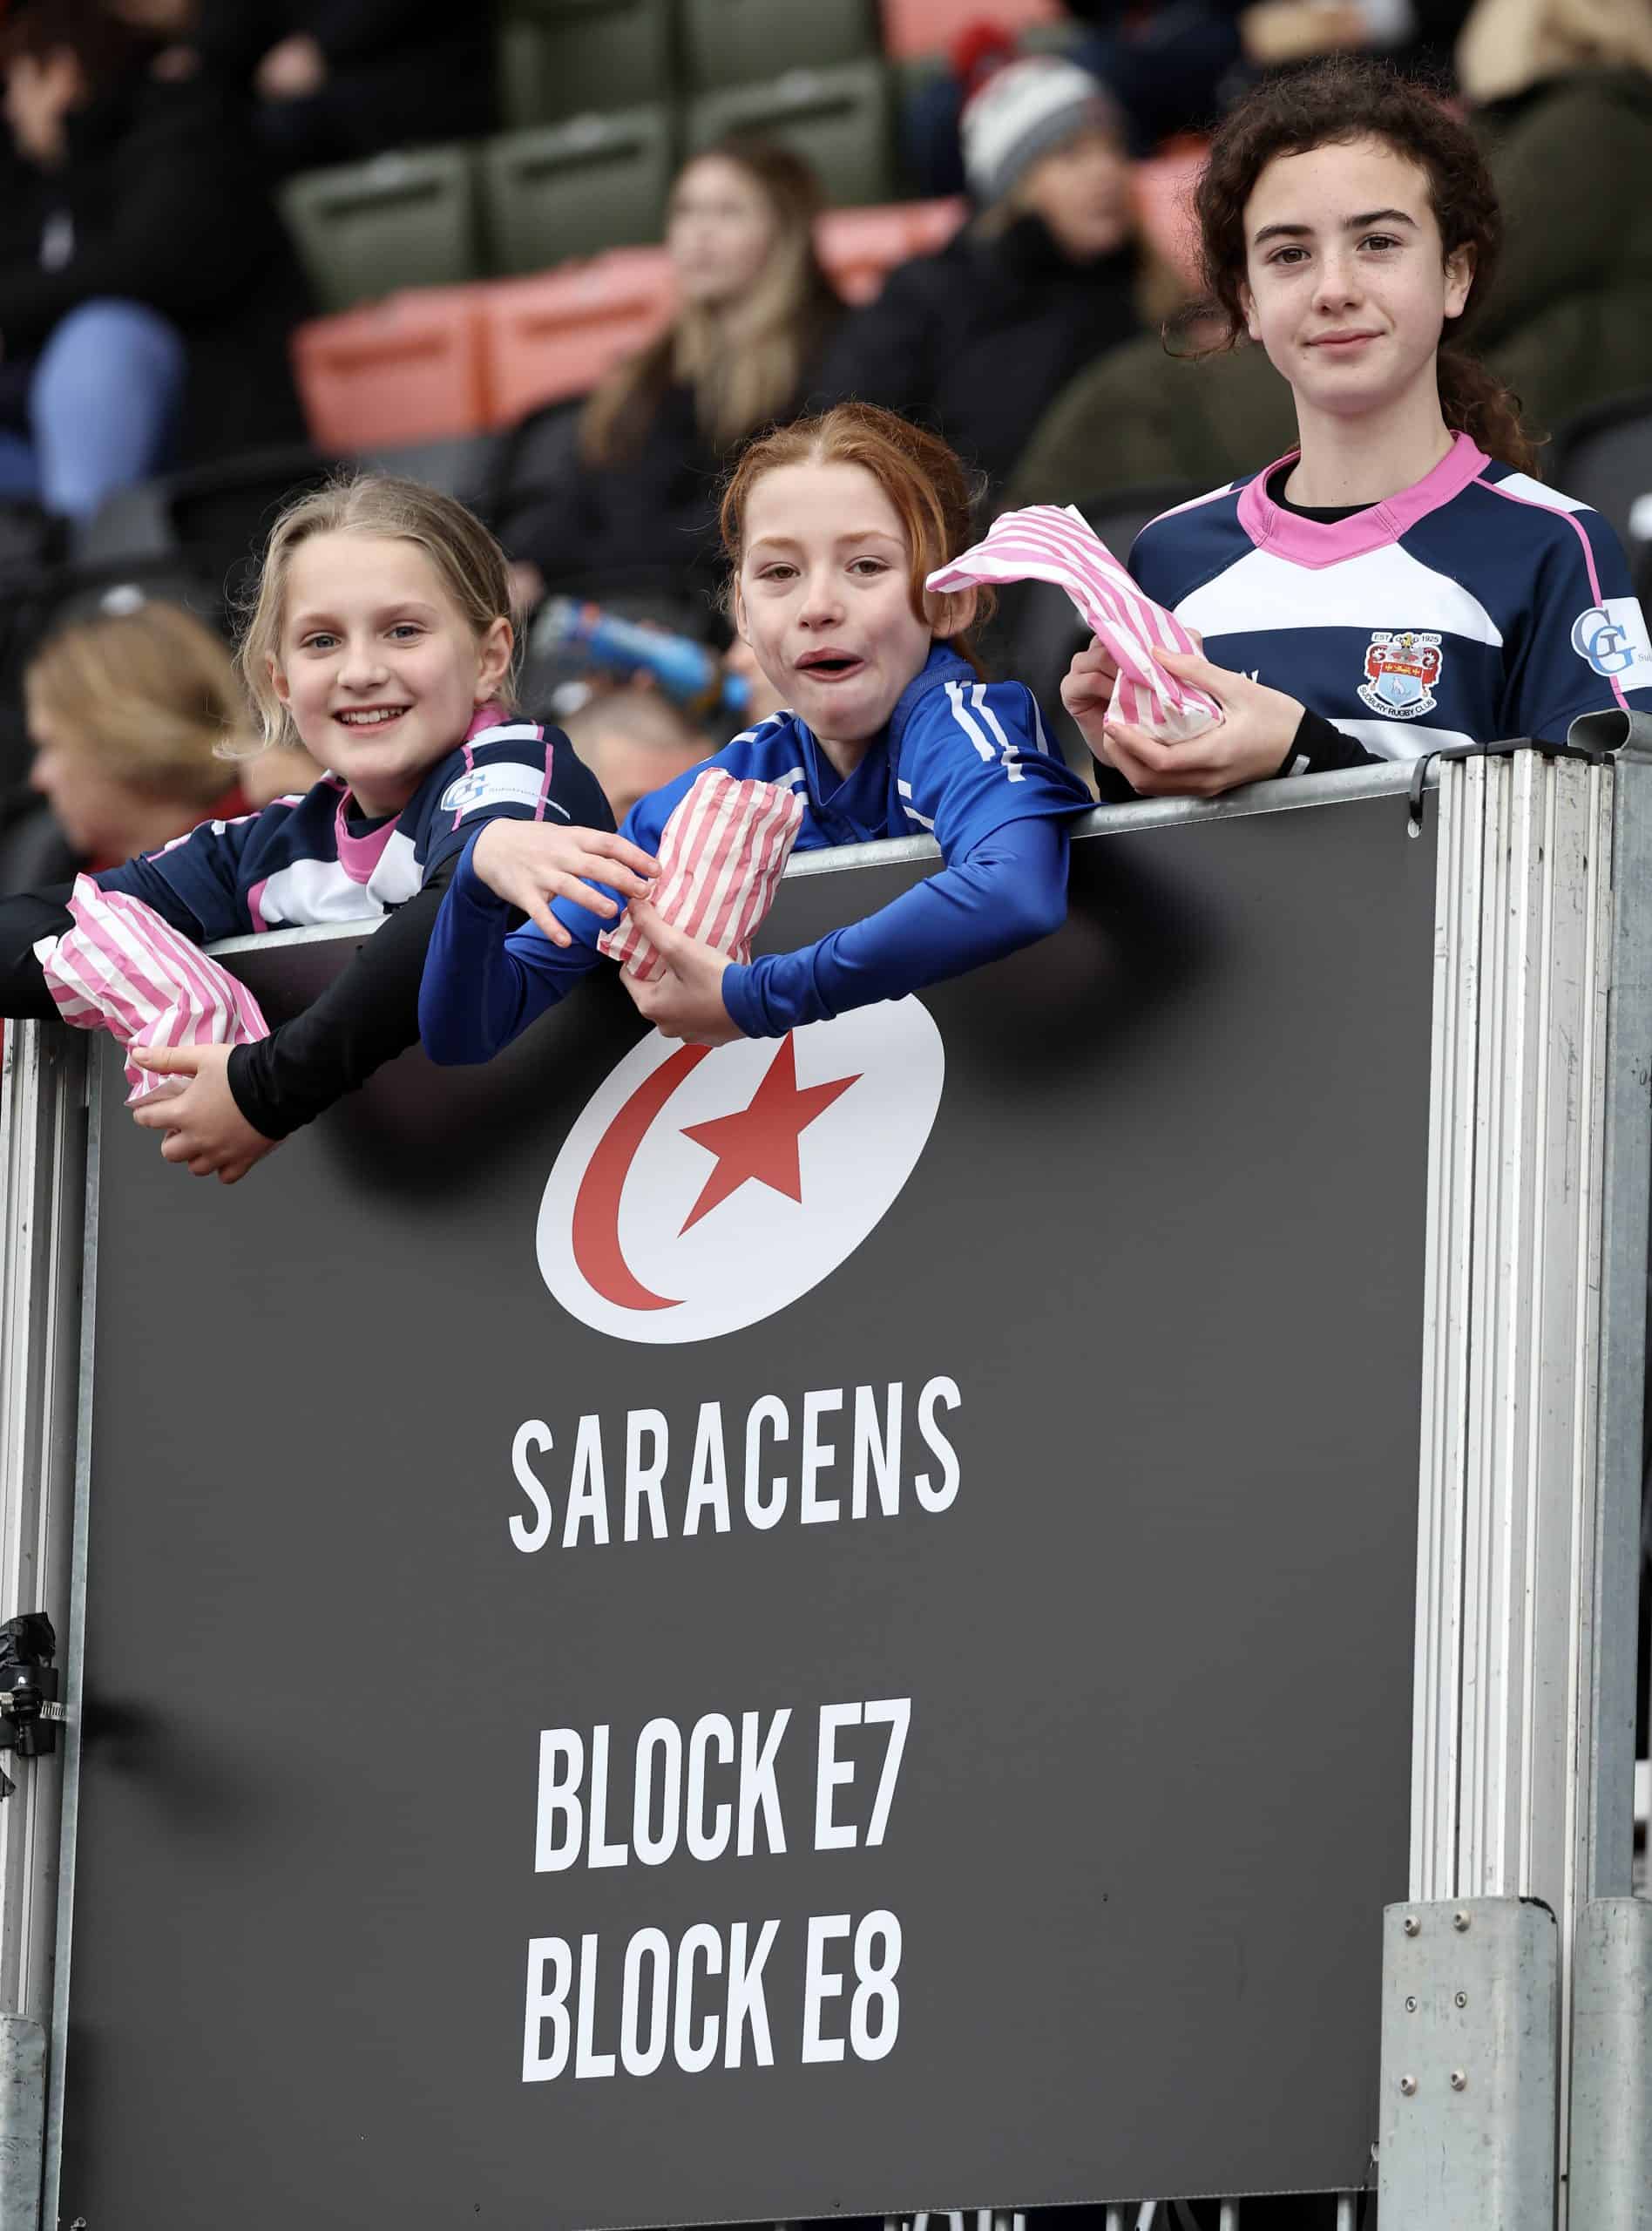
<point x="967" y="760"/>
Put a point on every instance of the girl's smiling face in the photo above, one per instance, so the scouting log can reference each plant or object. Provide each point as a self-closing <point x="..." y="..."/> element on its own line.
<point x="824" y="599"/>
<point x="377" y="666"/>
<point x="1346" y="284"/>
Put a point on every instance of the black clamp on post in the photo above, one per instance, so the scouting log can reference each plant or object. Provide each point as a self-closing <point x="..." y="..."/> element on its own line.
<point x="28" y="1707"/>
<point x="1504" y="750"/>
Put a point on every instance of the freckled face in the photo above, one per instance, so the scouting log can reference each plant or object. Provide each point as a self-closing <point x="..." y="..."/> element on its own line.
<point x="378" y="666"/>
<point x="824" y="600"/>
<point x="1347" y="288"/>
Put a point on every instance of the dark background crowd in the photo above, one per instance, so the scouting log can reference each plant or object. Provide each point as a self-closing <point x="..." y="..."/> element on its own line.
<point x="199" y="198"/>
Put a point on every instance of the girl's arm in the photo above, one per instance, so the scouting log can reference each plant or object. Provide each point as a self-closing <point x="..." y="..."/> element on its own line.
<point x="484" y="983"/>
<point x="1007" y="890"/>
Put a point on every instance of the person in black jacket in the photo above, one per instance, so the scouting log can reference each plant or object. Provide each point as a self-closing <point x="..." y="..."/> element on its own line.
<point x="146" y="288"/>
<point x="977" y="341"/>
<point x="335" y="81"/>
<point x="634" y="510"/>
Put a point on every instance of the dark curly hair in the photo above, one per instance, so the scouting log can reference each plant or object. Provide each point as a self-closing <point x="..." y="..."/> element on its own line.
<point x="1332" y="102"/>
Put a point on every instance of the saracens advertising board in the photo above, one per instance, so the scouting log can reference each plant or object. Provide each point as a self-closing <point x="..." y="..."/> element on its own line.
<point x="822" y="1627"/>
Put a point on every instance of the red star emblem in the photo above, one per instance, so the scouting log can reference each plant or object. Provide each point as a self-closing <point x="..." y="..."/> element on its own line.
<point x="760" y="1141"/>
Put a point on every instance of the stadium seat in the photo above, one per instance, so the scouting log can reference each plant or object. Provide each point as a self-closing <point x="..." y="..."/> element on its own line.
<point x="1162" y="186"/>
<point x="1604" y="458"/>
<point x="555" y="336"/>
<point x="860" y="247"/>
<point x="737" y="41"/>
<point x="913" y="27"/>
<point x="567" y="58"/>
<point x="840" y="120"/>
<point x="572" y="189"/>
<point x="404" y="220"/>
<point x="407" y="370"/>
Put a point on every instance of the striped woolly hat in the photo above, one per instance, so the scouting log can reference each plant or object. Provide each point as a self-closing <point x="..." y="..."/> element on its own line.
<point x="1021" y="112"/>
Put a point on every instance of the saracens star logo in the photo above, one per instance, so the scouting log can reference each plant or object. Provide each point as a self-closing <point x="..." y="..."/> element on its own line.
<point x="702" y="1189"/>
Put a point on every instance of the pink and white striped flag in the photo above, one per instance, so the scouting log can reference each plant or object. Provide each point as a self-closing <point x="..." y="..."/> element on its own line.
<point x="1045" y="543"/>
<point x="123" y="969"/>
<point x="722" y="855"/>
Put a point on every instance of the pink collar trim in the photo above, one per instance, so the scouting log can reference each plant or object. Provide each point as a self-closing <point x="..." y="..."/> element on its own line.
<point x="359" y="855"/>
<point x="486" y="716"/>
<point x="1314" y="544"/>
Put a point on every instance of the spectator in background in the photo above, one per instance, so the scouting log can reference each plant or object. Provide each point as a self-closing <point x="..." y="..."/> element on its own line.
<point x="146" y="288"/>
<point x="635" y="510"/>
<point x="1562" y="94"/>
<point x="126" y="713"/>
<point x="977" y="341"/>
<point x="335" y="81"/>
<point x="635" y="741"/>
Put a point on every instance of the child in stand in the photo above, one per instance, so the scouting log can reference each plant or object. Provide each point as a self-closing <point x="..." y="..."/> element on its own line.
<point x="381" y="640"/>
<point x="1399" y="583"/>
<point x="831" y="526"/>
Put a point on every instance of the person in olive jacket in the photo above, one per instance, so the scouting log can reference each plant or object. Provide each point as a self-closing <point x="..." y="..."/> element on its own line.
<point x="146" y="287"/>
<point x="977" y="341"/>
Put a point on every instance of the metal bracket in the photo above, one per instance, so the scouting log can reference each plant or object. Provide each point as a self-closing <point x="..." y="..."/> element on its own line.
<point x="22" y="2120"/>
<point x="1504" y="750"/>
<point x="1470" y="2065"/>
<point x="1611" y="2137"/>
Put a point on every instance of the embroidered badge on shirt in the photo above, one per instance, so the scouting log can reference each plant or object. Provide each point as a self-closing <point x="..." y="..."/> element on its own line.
<point x="1401" y="669"/>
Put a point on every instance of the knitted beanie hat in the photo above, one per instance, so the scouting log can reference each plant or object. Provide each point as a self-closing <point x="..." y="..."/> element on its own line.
<point x="1021" y="112"/>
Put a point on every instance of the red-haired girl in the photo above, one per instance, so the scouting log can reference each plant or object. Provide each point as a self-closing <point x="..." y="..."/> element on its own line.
<point x="831" y="527"/>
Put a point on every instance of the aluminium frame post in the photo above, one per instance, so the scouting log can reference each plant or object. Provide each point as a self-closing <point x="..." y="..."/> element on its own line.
<point x="43" y="1087"/>
<point x="1522" y="1714"/>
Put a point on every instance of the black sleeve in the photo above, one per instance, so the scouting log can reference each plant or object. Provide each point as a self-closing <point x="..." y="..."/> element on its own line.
<point x="1325" y="747"/>
<point x="368" y="1015"/>
<point x="24" y="920"/>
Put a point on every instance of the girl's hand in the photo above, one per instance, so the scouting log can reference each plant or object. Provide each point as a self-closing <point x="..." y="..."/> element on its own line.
<point x="1087" y="691"/>
<point x="204" y="1126"/>
<point x="530" y="863"/>
<point x="687" y="1001"/>
<point x="1257" y="728"/>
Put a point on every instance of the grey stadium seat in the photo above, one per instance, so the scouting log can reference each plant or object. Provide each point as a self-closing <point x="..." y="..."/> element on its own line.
<point x="840" y="120"/>
<point x="739" y="42"/>
<point x="567" y="58"/>
<point x="575" y="188"/>
<point x="403" y="219"/>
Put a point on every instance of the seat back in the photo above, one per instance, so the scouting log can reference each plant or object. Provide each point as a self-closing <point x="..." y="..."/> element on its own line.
<point x="841" y="121"/>
<point x="741" y="42"/>
<point x="556" y="336"/>
<point x="574" y="189"/>
<point x="409" y="370"/>
<point x="402" y="220"/>
<point x="570" y="57"/>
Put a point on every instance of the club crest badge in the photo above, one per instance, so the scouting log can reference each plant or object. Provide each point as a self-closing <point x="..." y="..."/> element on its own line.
<point x="1401" y="669"/>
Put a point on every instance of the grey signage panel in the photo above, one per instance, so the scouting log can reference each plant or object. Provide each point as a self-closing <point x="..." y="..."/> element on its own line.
<point x="1010" y="1632"/>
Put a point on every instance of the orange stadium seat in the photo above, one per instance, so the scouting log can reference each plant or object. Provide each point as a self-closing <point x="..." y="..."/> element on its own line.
<point x="860" y="247"/>
<point x="1163" y="188"/>
<point x="406" y="369"/>
<point x="556" y="334"/>
<point x="914" y="27"/>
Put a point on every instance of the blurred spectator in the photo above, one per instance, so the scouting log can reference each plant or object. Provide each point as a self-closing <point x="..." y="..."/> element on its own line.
<point x="335" y="81"/>
<point x="1564" y="94"/>
<point x="634" y="741"/>
<point x="146" y="288"/>
<point x="977" y="341"/>
<point x="126" y="712"/>
<point x="635" y="508"/>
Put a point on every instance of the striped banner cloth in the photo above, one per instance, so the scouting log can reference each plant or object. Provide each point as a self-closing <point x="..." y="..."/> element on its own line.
<point x="123" y="969"/>
<point x="722" y="855"/>
<point x="1044" y="543"/>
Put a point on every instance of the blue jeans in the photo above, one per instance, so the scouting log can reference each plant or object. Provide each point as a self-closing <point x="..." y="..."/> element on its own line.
<point x="103" y="408"/>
